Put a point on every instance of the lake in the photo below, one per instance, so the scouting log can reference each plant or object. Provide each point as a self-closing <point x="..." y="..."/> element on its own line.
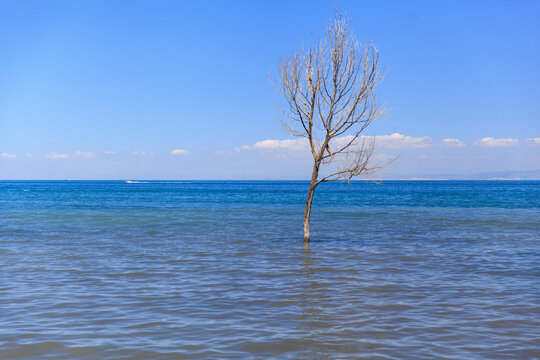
<point x="218" y="270"/>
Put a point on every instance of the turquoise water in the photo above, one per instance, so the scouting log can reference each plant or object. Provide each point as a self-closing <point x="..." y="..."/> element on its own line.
<point x="218" y="270"/>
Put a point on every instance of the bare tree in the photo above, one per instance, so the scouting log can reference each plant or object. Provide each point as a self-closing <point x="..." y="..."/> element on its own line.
<point x="330" y="92"/>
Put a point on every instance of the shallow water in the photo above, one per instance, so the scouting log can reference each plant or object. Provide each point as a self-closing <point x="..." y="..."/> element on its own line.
<point x="218" y="270"/>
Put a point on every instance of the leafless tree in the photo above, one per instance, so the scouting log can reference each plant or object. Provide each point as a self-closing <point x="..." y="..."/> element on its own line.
<point x="331" y="97"/>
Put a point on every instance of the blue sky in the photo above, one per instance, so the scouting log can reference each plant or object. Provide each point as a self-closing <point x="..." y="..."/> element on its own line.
<point x="107" y="90"/>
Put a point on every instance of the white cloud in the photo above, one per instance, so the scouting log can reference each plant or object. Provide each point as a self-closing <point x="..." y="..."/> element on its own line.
<point x="397" y="140"/>
<point x="453" y="143"/>
<point x="243" y="147"/>
<point x="85" y="154"/>
<point x="142" y="153"/>
<point x="29" y="155"/>
<point x="6" y="155"/>
<point x="271" y="144"/>
<point x="82" y="154"/>
<point x="54" y="155"/>
<point x="109" y="152"/>
<point x="394" y="140"/>
<point x="289" y="144"/>
<point x="491" y="142"/>
<point x="533" y="141"/>
<point x="179" y="152"/>
<point x="466" y="157"/>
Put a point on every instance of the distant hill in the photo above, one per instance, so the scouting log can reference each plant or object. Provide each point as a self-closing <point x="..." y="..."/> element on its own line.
<point x="508" y="175"/>
<point x="493" y="175"/>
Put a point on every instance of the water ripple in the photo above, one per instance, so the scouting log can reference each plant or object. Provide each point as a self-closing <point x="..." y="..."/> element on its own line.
<point x="148" y="279"/>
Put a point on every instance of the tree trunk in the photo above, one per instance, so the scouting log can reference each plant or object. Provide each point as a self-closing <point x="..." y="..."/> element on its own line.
<point x="309" y="199"/>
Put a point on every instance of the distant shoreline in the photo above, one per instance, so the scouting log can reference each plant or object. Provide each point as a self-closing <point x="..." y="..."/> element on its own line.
<point x="139" y="181"/>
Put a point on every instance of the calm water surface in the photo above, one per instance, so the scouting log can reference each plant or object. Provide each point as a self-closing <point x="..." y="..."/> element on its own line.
<point x="218" y="270"/>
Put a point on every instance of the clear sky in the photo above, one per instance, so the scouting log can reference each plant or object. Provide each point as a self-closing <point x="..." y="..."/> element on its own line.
<point x="109" y="89"/>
